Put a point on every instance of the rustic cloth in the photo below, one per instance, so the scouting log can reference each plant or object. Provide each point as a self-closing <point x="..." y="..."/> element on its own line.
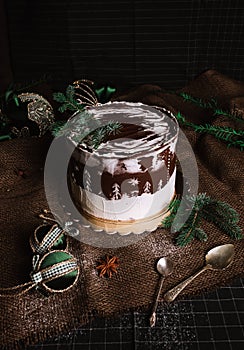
<point x="31" y="318"/>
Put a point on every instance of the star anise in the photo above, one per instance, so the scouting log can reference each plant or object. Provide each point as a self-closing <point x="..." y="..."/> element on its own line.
<point x="107" y="266"/>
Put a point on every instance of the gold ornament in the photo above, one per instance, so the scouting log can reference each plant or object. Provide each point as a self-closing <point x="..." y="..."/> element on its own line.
<point x="84" y="92"/>
<point x="39" y="110"/>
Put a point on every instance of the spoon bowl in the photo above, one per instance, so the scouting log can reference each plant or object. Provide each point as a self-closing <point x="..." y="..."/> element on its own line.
<point x="217" y="258"/>
<point x="220" y="257"/>
<point x="165" y="268"/>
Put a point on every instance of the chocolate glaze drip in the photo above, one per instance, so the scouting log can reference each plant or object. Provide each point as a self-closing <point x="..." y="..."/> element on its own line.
<point x="116" y="169"/>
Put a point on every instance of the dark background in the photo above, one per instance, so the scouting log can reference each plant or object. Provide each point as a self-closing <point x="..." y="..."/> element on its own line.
<point x="126" y="42"/>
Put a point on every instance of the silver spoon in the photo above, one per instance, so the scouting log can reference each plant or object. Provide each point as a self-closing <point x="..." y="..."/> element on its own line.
<point x="217" y="258"/>
<point x="165" y="268"/>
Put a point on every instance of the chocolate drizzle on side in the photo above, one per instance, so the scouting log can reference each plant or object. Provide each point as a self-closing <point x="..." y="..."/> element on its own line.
<point x="101" y="173"/>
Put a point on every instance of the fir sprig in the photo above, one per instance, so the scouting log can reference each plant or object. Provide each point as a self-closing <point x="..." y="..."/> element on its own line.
<point x="233" y="137"/>
<point x="202" y="207"/>
<point x="78" y="130"/>
<point x="100" y="134"/>
<point x="56" y="128"/>
<point x="224" y="217"/>
<point x="211" y="104"/>
<point x="68" y="100"/>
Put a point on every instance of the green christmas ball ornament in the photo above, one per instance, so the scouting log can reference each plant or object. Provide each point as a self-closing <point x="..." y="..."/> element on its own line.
<point x="56" y="271"/>
<point x="47" y="237"/>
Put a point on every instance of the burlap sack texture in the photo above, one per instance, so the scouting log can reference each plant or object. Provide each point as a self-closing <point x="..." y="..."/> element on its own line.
<point x="32" y="318"/>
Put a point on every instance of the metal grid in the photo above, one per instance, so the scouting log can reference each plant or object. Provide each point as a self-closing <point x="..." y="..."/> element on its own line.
<point x="212" y="321"/>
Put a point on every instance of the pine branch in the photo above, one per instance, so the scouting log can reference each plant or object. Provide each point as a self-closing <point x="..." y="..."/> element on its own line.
<point x="57" y="127"/>
<point x="223" y="210"/>
<point x="224" y="217"/>
<point x="79" y="131"/>
<point x="233" y="138"/>
<point x="173" y="209"/>
<point x="187" y="232"/>
<point x="189" y="229"/>
<point x="202" y="207"/>
<point x="231" y="229"/>
<point x="100" y="135"/>
<point x="184" y="238"/>
<point x="212" y="104"/>
<point x="76" y="129"/>
<point x="68" y="100"/>
<point x="200" y="234"/>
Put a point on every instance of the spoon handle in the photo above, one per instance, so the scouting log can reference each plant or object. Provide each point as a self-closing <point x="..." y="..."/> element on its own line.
<point x="172" y="293"/>
<point x="155" y="305"/>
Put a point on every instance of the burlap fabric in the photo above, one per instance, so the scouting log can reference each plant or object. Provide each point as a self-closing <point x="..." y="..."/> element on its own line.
<point x="31" y="317"/>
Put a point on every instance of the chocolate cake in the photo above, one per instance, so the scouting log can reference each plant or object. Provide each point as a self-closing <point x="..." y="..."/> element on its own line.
<point x="131" y="175"/>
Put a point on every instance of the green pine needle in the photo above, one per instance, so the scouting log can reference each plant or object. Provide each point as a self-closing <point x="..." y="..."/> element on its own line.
<point x="224" y="217"/>
<point x="79" y="130"/>
<point x="202" y="207"/>
<point x="100" y="135"/>
<point x="184" y="237"/>
<point x="200" y="234"/>
<point x="57" y="127"/>
<point x="233" y="137"/>
<point x="223" y="210"/>
<point x="68" y="100"/>
<point x="212" y="104"/>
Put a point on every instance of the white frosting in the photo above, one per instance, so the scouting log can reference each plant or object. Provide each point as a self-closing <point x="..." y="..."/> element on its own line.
<point x="114" y="166"/>
<point x="162" y="126"/>
<point x="129" y="208"/>
<point x="156" y="131"/>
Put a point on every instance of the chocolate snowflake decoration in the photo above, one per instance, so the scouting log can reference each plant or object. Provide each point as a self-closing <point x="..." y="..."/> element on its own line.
<point x="107" y="266"/>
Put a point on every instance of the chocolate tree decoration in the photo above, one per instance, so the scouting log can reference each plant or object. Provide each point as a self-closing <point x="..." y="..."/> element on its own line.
<point x="204" y="207"/>
<point x="107" y="266"/>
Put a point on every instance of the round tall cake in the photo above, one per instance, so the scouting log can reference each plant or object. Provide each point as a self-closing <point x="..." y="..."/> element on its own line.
<point x="130" y="176"/>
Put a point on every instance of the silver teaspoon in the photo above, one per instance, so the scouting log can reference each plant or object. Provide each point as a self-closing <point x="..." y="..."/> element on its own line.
<point x="165" y="268"/>
<point x="217" y="258"/>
